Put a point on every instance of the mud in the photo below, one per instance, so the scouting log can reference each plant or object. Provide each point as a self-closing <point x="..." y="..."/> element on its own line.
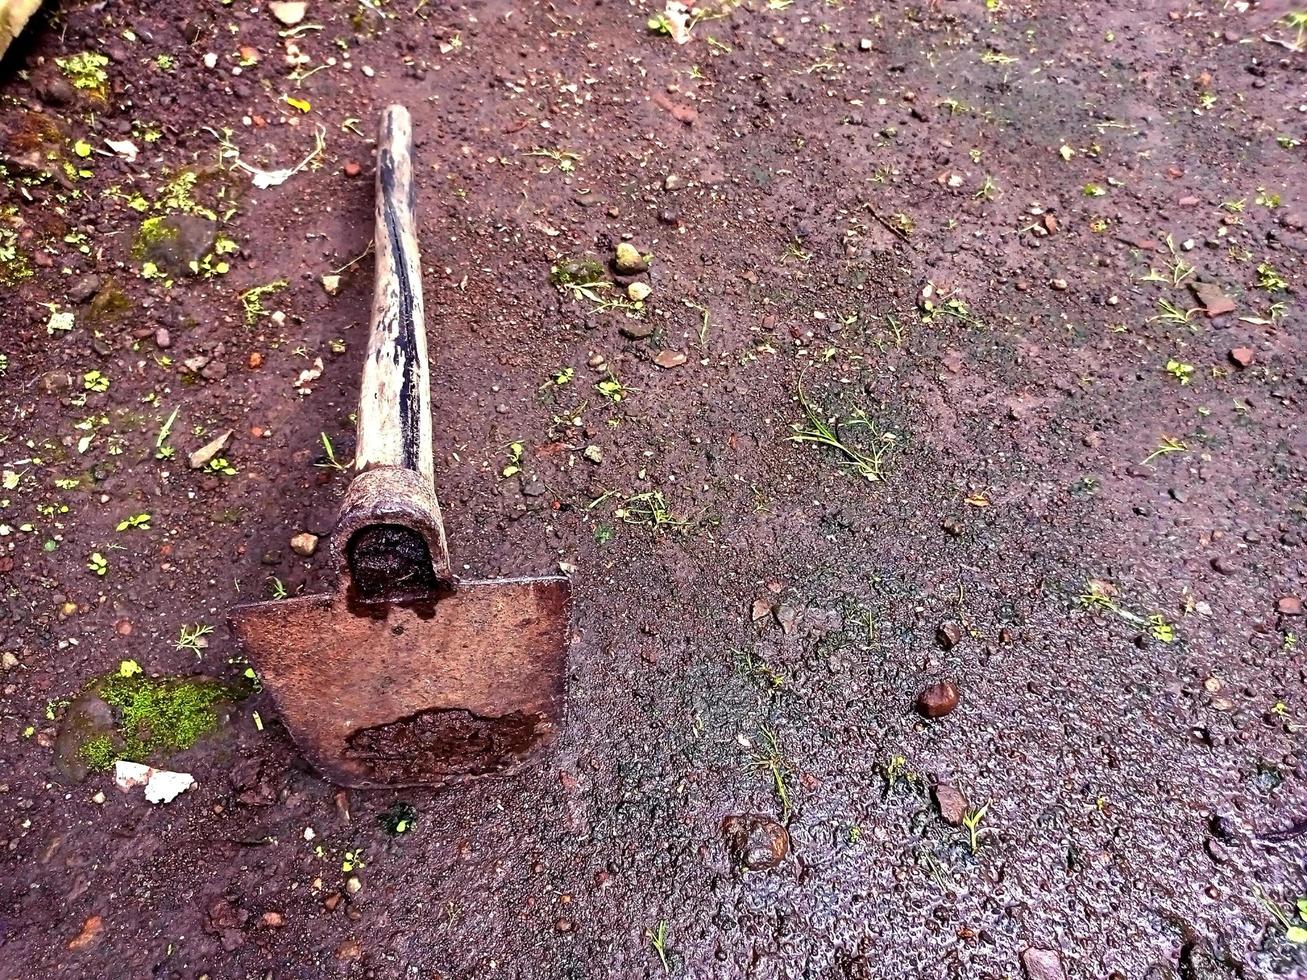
<point x="1110" y="532"/>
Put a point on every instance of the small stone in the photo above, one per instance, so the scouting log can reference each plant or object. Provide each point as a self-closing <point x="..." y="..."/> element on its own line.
<point x="1215" y="303"/>
<point x="1058" y="284"/>
<point x="637" y="329"/>
<point x="288" y="12"/>
<point x="210" y="60"/>
<point x="274" y="920"/>
<point x="8" y="661"/>
<point x="755" y="841"/>
<point x="671" y="182"/>
<point x="206" y="453"/>
<point x="669" y="359"/>
<point x="1042" y="964"/>
<point x="1224" y="565"/>
<point x="304" y="544"/>
<point x="594" y="454"/>
<point x="952" y="804"/>
<point x="762" y="609"/>
<point x="353" y="168"/>
<point x="83" y="288"/>
<point x="864" y="44"/>
<point x="938" y="699"/>
<point x="99" y="797"/>
<point x="628" y="260"/>
<point x="639" y="291"/>
<point x="948" y="635"/>
<point x="331" y="284"/>
<point x="162" y="338"/>
<point x="1288" y="606"/>
<point x="353" y="886"/>
<point x="1242" y="356"/>
<point x="1217" y="851"/>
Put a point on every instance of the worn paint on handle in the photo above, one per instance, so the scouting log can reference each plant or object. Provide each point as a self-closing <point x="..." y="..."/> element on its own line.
<point x="394" y="418"/>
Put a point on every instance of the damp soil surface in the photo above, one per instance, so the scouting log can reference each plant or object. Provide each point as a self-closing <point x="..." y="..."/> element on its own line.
<point x="1025" y="279"/>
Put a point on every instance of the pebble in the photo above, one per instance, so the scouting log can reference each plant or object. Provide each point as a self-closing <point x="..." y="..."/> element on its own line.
<point x="1224" y="565"/>
<point x="353" y="168"/>
<point x="1058" y="284"/>
<point x="331" y="284"/>
<point x="628" y="260"/>
<point x="952" y="804"/>
<point x="948" y="635"/>
<point x="669" y="359"/>
<point x="637" y="329"/>
<point x="639" y="291"/>
<point x="755" y="841"/>
<point x="1242" y="356"/>
<point x="938" y="699"/>
<point x="288" y="12"/>
<point x="1288" y="606"/>
<point x="304" y="544"/>
<point x="162" y="338"/>
<point x="1042" y="964"/>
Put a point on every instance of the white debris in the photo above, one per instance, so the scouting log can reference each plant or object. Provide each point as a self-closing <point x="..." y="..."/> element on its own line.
<point x="161" y="785"/>
<point x="124" y="148"/>
<point x="289" y="12"/>
<point x="303" y="384"/>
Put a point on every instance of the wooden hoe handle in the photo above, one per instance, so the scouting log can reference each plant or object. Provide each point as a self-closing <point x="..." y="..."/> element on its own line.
<point x="389" y="541"/>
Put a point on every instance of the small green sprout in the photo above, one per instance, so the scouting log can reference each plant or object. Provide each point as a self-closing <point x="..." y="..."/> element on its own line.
<point x="329" y="452"/>
<point x="564" y="160"/>
<point x="98" y="564"/>
<point x="1179" y="370"/>
<point x="140" y="522"/>
<point x="658" y="939"/>
<point x="1167" y="445"/>
<point x="276" y="588"/>
<point x="1093" y="190"/>
<point x="220" y="466"/>
<point x="86" y="72"/>
<point x="1294" y="930"/>
<point x="352" y="860"/>
<point x="252" y="300"/>
<point x="971" y="820"/>
<point x="193" y="637"/>
<point x="95" y="381"/>
<point x="514" y="452"/>
<point x="612" y="389"/>
<point x="398" y="819"/>
<point x="1269" y="279"/>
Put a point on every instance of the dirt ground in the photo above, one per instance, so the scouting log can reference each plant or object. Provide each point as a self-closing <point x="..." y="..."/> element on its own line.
<point x="1033" y="271"/>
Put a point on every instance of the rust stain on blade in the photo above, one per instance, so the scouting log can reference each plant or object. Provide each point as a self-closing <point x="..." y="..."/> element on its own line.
<point x="425" y="693"/>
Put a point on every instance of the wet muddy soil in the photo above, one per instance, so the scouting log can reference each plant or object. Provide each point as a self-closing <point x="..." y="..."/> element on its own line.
<point x="969" y="349"/>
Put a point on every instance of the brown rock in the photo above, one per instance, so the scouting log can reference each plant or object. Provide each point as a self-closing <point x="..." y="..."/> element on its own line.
<point x="1215" y="303"/>
<point x="1288" y="606"/>
<point x="1243" y="356"/>
<point x="637" y="329"/>
<point x="938" y="699"/>
<point x="353" y="168"/>
<point x="669" y="359"/>
<point x="949" y="635"/>
<point x="274" y="920"/>
<point x="1042" y="964"/>
<point x="952" y="804"/>
<point x="756" y="841"/>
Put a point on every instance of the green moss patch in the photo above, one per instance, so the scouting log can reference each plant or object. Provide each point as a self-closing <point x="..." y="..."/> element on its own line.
<point x="155" y="716"/>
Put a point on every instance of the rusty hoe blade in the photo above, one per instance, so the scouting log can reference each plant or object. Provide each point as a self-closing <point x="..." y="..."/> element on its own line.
<point x="407" y="675"/>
